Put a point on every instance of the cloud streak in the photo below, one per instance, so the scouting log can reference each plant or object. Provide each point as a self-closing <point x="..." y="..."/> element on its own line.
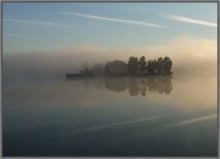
<point x="115" y="124"/>
<point x="189" y="20"/>
<point x="111" y="19"/>
<point x="38" y="23"/>
<point x="194" y="120"/>
<point x="28" y="36"/>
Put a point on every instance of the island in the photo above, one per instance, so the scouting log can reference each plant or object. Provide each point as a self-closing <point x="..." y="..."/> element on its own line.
<point x="134" y="67"/>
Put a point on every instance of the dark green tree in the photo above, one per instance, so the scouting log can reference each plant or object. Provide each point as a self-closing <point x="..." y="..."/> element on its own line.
<point x="167" y="64"/>
<point x="142" y="63"/>
<point x="133" y="65"/>
<point x="159" y="65"/>
<point x="151" y="66"/>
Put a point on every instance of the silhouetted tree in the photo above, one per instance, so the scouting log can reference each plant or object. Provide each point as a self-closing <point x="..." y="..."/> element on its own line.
<point x="142" y="63"/>
<point x="167" y="64"/>
<point x="159" y="65"/>
<point x="106" y="70"/>
<point x="133" y="65"/>
<point x="117" y="67"/>
<point x="151" y="67"/>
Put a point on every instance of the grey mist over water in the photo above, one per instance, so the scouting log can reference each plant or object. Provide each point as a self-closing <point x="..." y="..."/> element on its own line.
<point x="153" y="116"/>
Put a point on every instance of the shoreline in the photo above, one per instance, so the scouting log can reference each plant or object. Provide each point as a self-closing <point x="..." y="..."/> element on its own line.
<point x="80" y="76"/>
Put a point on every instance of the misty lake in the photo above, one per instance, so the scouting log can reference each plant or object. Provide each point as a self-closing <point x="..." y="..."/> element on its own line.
<point x="111" y="117"/>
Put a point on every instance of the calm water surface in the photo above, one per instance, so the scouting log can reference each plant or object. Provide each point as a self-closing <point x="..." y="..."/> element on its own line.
<point x="111" y="117"/>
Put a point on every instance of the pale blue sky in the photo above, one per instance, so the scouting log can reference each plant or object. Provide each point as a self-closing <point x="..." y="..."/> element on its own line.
<point x="31" y="27"/>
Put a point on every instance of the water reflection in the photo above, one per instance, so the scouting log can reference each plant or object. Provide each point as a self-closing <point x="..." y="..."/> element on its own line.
<point x="71" y="115"/>
<point x="135" y="86"/>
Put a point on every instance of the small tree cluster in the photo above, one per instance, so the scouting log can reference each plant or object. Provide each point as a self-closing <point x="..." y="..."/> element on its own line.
<point x="142" y="63"/>
<point x="133" y="65"/>
<point x="160" y="66"/>
<point x="167" y="63"/>
<point x="116" y="67"/>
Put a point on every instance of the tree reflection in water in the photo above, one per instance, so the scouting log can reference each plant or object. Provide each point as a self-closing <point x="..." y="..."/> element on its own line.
<point x="160" y="85"/>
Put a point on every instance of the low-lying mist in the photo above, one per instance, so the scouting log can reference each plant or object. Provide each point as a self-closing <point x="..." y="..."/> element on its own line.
<point x="190" y="56"/>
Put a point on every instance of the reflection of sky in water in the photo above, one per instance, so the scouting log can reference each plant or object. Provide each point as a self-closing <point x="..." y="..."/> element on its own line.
<point x="96" y="117"/>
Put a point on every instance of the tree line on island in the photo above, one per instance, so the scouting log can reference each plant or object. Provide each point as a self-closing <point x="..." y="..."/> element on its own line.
<point x="134" y="67"/>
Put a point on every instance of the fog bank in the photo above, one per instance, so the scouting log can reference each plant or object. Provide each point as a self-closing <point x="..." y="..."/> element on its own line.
<point x="190" y="55"/>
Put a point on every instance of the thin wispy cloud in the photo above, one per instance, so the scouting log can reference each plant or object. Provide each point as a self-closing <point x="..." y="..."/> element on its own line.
<point x="38" y="23"/>
<point x="111" y="19"/>
<point x="29" y="36"/>
<point x="194" y="120"/>
<point x="189" y="20"/>
<point x="114" y="124"/>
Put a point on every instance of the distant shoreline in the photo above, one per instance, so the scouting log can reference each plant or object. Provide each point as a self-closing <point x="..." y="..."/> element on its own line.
<point x="132" y="68"/>
<point x="78" y="75"/>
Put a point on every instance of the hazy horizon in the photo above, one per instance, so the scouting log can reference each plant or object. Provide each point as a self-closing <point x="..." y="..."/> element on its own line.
<point x="199" y="57"/>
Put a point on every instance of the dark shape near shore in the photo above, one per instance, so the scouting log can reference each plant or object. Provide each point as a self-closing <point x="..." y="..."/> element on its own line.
<point x="133" y="85"/>
<point x="134" y="68"/>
